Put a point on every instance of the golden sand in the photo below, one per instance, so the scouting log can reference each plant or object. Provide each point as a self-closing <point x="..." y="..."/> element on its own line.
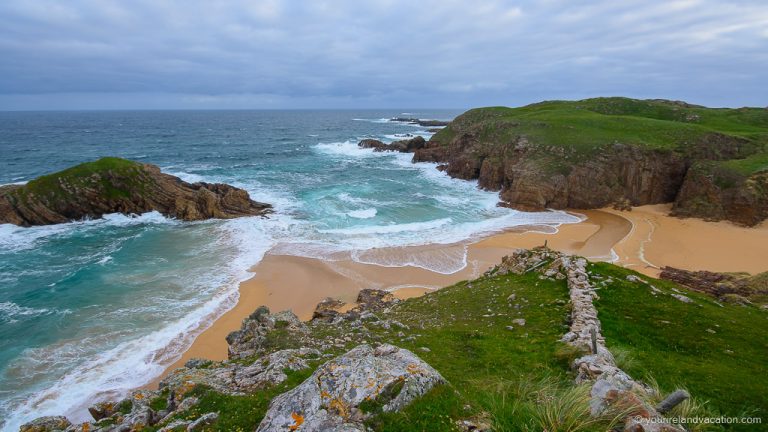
<point x="644" y="239"/>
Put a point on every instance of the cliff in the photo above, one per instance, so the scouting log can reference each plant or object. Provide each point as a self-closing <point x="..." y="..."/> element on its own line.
<point x="711" y="163"/>
<point x="113" y="185"/>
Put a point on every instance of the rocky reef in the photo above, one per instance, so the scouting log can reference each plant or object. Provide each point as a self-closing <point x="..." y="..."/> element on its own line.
<point x="112" y="185"/>
<point x="402" y="146"/>
<point x="711" y="163"/>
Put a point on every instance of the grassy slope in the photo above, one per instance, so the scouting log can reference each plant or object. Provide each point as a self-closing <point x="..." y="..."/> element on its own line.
<point x="603" y="121"/>
<point x="83" y="176"/>
<point x="669" y="341"/>
<point x="518" y="379"/>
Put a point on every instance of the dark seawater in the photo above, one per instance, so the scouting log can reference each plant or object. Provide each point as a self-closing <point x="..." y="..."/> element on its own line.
<point x="96" y="308"/>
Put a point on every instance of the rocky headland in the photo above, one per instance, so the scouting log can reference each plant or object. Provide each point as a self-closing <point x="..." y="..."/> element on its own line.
<point x="112" y="185"/>
<point x="711" y="163"/>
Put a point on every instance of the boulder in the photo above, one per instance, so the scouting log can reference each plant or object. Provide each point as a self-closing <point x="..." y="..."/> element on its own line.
<point x="46" y="424"/>
<point x="373" y="299"/>
<point x="250" y="339"/>
<point x="330" y="399"/>
<point x="327" y="310"/>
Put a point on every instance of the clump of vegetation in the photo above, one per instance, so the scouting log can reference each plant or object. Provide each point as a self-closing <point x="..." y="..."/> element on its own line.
<point x="64" y="186"/>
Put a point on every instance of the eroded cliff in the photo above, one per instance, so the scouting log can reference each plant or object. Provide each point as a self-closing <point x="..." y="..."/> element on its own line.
<point x="586" y="154"/>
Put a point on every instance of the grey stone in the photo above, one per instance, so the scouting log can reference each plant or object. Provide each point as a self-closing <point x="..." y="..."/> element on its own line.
<point x="326" y="401"/>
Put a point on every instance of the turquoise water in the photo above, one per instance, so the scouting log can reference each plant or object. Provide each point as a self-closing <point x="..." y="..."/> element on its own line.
<point x="96" y="308"/>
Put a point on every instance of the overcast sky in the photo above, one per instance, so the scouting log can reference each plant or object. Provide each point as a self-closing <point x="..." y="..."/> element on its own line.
<point x="103" y="54"/>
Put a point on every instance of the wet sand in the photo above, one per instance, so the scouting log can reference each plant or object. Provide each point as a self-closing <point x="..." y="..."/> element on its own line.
<point x="643" y="239"/>
<point x="658" y="240"/>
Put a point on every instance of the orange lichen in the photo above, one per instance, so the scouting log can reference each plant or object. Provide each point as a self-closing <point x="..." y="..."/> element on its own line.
<point x="413" y="368"/>
<point x="340" y="407"/>
<point x="298" y="420"/>
<point x="325" y="394"/>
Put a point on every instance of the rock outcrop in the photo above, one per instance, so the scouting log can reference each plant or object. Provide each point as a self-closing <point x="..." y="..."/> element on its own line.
<point x="420" y="122"/>
<point x="113" y="185"/>
<point x="251" y="338"/>
<point x="725" y="286"/>
<point x="368" y="301"/>
<point x="402" y="146"/>
<point x="330" y="400"/>
<point x="710" y="192"/>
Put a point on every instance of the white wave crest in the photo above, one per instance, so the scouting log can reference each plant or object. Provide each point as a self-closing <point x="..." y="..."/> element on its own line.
<point x="389" y="229"/>
<point x="363" y="214"/>
<point x="11" y="312"/>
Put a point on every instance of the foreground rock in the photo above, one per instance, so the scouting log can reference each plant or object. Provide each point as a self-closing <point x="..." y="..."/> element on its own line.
<point x="113" y="185"/>
<point x="330" y="399"/>
<point x="368" y="301"/>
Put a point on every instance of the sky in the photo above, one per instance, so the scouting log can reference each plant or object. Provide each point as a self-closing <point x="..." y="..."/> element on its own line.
<point x="281" y="54"/>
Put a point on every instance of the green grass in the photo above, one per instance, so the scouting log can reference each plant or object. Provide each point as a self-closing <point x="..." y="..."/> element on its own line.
<point x="236" y="413"/>
<point x="720" y="354"/>
<point x="63" y="186"/>
<point x="518" y="380"/>
<point x="584" y="128"/>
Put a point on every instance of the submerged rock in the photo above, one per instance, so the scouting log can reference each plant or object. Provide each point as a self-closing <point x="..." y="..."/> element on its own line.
<point x="329" y="400"/>
<point x="112" y="185"/>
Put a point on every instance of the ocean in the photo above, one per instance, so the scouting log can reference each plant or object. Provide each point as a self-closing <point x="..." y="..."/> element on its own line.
<point x="96" y="308"/>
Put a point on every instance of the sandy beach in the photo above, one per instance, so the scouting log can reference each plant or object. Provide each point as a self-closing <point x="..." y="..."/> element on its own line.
<point x="644" y="239"/>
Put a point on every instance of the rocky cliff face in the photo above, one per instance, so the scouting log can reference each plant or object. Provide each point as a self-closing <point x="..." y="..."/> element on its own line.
<point x="517" y="171"/>
<point x="715" y="194"/>
<point x="591" y="160"/>
<point x="112" y="185"/>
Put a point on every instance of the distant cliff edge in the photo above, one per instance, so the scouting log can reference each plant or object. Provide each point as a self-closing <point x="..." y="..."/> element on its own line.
<point x="711" y="163"/>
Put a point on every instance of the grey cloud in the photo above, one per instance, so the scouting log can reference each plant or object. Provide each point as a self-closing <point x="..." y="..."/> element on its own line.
<point x="334" y="53"/>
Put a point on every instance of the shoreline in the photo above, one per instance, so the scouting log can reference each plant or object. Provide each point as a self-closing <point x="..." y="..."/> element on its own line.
<point x="643" y="239"/>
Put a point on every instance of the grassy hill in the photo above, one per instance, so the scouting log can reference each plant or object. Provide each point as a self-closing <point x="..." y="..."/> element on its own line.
<point x="589" y="126"/>
<point x="711" y="162"/>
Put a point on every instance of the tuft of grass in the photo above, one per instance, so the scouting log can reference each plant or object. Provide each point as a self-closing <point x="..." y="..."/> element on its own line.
<point x="546" y="403"/>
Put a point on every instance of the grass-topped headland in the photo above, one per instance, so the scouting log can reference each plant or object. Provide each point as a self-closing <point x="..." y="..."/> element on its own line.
<point x="602" y="151"/>
<point x="113" y="185"/>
